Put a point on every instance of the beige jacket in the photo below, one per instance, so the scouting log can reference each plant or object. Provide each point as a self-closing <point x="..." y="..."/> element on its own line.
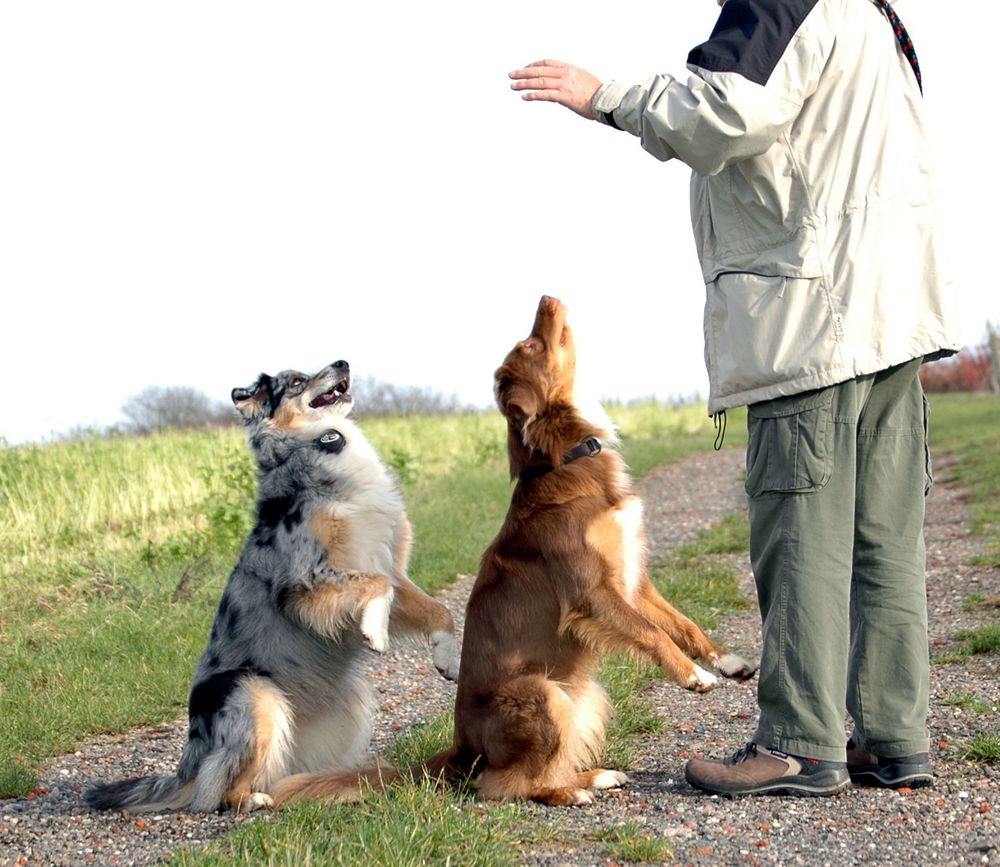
<point x="812" y="198"/>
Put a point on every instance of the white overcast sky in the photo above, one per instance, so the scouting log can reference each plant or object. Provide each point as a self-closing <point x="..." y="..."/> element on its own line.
<point x="194" y="192"/>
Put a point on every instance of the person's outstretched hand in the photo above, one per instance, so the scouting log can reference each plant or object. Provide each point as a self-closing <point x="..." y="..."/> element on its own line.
<point x="554" y="81"/>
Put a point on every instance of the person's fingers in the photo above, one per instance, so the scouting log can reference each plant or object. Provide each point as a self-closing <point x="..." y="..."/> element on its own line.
<point x="546" y="96"/>
<point x="533" y="72"/>
<point x="535" y="83"/>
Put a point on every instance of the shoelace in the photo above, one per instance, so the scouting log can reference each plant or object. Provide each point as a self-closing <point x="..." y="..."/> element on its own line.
<point x="903" y="38"/>
<point x="741" y="755"/>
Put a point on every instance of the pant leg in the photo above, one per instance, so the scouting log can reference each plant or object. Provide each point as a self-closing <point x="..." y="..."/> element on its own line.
<point x="801" y="481"/>
<point x="889" y="670"/>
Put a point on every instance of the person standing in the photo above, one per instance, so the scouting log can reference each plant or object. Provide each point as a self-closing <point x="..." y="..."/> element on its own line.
<point x="814" y="208"/>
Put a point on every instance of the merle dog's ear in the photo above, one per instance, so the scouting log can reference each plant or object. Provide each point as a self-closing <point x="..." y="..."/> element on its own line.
<point x="253" y="402"/>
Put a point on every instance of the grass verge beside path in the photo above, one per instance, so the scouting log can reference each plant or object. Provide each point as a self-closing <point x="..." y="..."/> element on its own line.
<point x="967" y="427"/>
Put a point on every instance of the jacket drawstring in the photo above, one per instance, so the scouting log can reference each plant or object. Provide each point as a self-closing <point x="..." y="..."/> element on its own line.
<point x="719" y="420"/>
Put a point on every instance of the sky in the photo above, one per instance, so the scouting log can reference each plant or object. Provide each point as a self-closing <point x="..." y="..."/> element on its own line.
<point x="195" y="192"/>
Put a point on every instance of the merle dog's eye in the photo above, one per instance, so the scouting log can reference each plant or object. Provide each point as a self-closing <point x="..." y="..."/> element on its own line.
<point x="297" y="381"/>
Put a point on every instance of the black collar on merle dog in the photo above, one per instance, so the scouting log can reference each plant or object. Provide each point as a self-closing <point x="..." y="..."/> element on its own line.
<point x="330" y="441"/>
<point x="588" y="448"/>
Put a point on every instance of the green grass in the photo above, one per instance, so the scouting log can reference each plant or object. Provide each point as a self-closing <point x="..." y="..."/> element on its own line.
<point x="968" y="427"/>
<point x="418" y="743"/>
<point x="629" y="842"/>
<point x="964" y="699"/>
<point x="984" y="638"/>
<point x="407" y="826"/>
<point x="697" y="583"/>
<point x="634" y="715"/>
<point x="983" y="748"/>
<point x="979" y="602"/>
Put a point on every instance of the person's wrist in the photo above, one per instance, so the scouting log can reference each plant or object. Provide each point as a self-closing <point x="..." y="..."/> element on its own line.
<point x="604" y="102"/>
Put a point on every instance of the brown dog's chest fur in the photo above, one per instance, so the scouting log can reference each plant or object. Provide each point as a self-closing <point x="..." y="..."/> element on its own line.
<point x="519" y="610"/>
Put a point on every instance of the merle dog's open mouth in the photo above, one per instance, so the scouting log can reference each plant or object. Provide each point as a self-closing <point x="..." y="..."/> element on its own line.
<point x="334" y="395"/>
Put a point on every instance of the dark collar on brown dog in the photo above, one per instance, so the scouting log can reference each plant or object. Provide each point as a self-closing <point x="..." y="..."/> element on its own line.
<point x="588" y="448"/>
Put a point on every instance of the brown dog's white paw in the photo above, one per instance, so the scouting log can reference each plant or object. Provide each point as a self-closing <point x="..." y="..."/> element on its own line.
<point x="256" y="801"/>
<point x="701" y="680"/>
<point x="606" y="779"/>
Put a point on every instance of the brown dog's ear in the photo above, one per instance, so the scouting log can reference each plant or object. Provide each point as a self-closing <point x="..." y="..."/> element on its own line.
<point x="253" y="402"/>
<point x="518" y="403"/>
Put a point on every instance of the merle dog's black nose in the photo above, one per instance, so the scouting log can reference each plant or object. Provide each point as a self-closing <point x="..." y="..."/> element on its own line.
<point x="341" y="365"/>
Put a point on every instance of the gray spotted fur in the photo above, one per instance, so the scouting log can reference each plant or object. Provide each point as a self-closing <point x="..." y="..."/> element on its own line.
<point x="256" y="639"/>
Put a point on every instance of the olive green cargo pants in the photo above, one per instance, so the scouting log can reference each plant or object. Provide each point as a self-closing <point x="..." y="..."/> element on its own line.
<point x="836" y="480"/>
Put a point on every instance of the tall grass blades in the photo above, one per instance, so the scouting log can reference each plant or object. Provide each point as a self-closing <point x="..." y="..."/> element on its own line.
<point x="84" y="499"/>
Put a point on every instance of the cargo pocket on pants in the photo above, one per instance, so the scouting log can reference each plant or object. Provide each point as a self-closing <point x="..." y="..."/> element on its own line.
<point x="790" y="447"/>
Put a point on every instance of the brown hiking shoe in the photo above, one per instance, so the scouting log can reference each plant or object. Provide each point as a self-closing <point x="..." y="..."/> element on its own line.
<point x="867" y="769"/>
<point x="756" y="770"/>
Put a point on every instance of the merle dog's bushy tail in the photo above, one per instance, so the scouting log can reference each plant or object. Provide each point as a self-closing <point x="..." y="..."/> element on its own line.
<point x="140" y="794"/>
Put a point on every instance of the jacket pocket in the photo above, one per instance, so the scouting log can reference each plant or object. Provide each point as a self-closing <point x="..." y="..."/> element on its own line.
<point x="790" y="446"/>
<point x="765" y="330"/>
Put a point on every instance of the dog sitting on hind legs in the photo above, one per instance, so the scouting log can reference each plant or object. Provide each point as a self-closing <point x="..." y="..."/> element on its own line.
<point x="281" y="687"/>
<point x="563" y="585"/>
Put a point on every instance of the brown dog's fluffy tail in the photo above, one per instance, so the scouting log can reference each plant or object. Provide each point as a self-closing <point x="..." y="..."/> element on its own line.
<point x="342" y="786"/>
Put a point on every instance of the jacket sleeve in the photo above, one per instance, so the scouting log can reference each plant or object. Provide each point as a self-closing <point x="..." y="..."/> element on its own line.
<point x="746" y="85"/>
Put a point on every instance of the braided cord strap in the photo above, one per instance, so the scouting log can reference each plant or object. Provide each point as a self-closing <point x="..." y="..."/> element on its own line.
<point x="903" y="38"/>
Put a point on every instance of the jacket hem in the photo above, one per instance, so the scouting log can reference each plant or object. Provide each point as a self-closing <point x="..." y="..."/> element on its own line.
<point x="823" y="379"/>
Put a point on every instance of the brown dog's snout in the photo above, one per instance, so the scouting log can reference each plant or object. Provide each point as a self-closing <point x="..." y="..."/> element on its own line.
<point x="549" y="320"/>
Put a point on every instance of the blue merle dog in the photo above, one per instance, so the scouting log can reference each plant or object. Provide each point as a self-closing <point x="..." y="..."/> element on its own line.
<point x="280" y="689"/>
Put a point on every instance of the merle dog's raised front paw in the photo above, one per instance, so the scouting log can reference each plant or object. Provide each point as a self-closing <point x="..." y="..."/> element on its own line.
<point x="446" y="654"/>
<point x="375" y="623"/>
<point x="735" y="667"/>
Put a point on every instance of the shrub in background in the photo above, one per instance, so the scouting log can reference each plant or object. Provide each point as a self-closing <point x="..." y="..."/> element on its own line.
<point x="969" y="370"/>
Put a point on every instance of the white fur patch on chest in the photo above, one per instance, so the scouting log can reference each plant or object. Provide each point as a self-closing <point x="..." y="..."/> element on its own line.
<point x="367" y="544"/>
<point x="629" y="518"/>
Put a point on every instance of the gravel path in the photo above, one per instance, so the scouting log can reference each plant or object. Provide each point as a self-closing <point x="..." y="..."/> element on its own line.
<point x="955" y="822"/>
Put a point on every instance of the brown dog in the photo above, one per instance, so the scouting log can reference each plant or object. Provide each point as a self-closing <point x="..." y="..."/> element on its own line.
<point x="562" y="585"/>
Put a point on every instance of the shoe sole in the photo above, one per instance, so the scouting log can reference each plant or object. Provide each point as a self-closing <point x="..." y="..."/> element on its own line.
<point x="872" y="778"/>
<point x="813" y="788"/>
